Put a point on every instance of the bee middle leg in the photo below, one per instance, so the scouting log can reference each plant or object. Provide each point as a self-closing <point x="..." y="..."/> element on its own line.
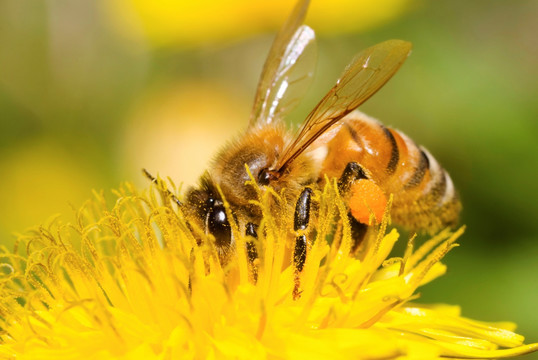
<point x="300" y="223"/>
<point x="301" y="220"/>
<point x="352" y="173"/>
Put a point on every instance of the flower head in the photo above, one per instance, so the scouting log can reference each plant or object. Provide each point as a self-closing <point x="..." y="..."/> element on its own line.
<point x="135" y="281"/>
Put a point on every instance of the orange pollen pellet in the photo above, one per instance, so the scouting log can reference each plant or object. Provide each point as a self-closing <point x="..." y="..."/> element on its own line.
<point x="367" y="198"/>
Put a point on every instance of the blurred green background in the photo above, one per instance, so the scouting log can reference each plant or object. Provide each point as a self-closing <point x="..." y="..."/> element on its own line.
<point x="91" y="92"/>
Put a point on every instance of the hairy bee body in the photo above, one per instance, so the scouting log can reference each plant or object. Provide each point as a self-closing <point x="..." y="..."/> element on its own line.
<point x="371" y="161"/>
<point x="424" y="198"/>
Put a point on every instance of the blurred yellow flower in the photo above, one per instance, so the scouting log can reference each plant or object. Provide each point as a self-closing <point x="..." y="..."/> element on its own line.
<point x="40" y="178"/>
<point x="184" y="23"/>
<point x="140" y="287"/>
<point x="192" y="118"/>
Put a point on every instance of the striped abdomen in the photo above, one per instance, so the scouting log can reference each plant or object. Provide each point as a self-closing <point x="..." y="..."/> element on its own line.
<point x="424" y="195"/>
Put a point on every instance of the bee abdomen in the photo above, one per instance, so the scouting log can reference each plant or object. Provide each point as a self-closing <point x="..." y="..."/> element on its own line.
<point x="424" y="194"/>
<point x="421" y="168"/>
<point x="394" y="151"/>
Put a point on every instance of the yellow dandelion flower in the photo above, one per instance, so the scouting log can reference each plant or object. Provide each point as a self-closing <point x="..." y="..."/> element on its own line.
<point x="187" y="23"/>
<point x="132" y="281"/>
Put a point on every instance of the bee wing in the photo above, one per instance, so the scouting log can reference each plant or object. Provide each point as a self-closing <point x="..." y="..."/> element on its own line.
<point x="365" y="75"/>
<point x="288" y="69"/>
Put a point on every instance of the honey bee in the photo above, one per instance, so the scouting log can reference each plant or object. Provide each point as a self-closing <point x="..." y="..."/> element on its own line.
<point x="370" y="160"/>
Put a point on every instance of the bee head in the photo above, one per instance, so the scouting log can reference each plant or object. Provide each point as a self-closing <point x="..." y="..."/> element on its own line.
<point x="204" y="207"/>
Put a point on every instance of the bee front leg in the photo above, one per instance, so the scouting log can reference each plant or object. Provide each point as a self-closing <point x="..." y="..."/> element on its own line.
<point x="352" y="173"/>
<point x="252" y="251"/>
<point x="154" y="180"/>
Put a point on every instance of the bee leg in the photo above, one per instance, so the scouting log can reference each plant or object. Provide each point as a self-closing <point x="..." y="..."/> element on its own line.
<point x="153" y="179"/>
<point x="300" y="223"/>
<point x="299" y="258"/>
<point x="252" y="252"/>
<point x="302" y="210"/>
<point x="358" y="232"/>
<point x="299" y="254"/>
<point x="353" y="172"/>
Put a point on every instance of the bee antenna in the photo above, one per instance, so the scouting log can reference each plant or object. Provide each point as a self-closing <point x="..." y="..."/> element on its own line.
<point x="154" y="180"/>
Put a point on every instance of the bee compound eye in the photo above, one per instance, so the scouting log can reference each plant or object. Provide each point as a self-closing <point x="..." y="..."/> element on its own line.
<point x="219" y="226"/>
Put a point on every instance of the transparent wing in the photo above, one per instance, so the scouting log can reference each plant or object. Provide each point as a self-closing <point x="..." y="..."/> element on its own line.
<point x="288" y="69"/>
<point x="366" y="74"/>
